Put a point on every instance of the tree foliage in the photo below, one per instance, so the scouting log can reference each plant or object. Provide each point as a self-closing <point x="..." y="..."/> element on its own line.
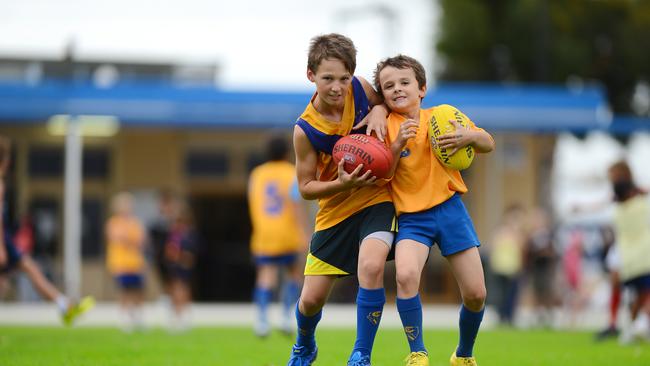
<point x="548" y="41"/>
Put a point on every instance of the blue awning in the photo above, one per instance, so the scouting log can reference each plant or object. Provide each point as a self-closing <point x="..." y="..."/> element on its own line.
<point x="527" y="108"/>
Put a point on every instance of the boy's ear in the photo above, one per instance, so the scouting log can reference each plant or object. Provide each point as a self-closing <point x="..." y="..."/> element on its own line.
<point x="311" y="76"/>
<point x="423" y="91"/>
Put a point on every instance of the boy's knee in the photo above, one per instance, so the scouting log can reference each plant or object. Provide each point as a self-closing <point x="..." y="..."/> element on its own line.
<point x="311" y="304"/>
<point x="474" y="300"/>
<point x="407" y="278"/>
<point x="371" y="268"/>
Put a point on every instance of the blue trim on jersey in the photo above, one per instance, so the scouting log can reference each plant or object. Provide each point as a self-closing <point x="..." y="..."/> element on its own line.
<point x="323" y="142"/>
<point x="361" y="103"/>
<point x="276" y="259"/>
<point x="447" y="224"/>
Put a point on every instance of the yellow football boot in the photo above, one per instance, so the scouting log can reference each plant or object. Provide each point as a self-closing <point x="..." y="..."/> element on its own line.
<point x="461" y="361"/>
<point x="77" y="309"/>
<point x="417" y="359"/>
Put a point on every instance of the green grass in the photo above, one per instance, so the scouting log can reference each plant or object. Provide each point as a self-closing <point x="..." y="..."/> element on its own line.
<point x="39" y="346"/>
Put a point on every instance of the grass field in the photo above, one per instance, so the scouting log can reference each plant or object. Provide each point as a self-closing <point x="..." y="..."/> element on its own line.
<point x="21" y="346"/>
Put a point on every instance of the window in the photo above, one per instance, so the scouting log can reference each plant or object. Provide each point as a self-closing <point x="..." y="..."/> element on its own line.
<point x="45" y="162"/>
<point x="206" y="164"/>
<point x="95" y="163"/>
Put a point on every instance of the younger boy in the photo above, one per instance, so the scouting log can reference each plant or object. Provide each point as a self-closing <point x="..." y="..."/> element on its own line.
<point x="427" y="200"/>
<point x="354" y="223"/>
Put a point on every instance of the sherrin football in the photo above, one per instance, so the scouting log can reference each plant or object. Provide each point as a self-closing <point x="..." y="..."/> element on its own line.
<point x="363" y="149"/>
<point x="439" y="125"/>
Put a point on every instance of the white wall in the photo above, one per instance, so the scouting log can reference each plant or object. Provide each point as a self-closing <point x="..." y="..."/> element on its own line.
<point x="580" y="173"/>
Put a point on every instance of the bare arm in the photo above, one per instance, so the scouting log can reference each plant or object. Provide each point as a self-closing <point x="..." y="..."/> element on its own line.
<point x="306" y="168"/>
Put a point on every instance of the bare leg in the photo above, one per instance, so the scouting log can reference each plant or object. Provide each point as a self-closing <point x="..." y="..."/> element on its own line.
<point x="315" y="292"/>
<point x="44" y="287"/>
<point x="410" y="257"/>
<point x="372" y="260"/>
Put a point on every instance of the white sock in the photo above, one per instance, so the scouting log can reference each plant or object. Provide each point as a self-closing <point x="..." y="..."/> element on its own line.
<point x="62" y="302"/>
<point x="640" y="325"/>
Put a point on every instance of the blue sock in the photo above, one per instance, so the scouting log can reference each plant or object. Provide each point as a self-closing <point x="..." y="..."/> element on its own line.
<point x="262" y="298"/>
<point x="410" y="311"/>
<point x="289" y="295"/>
<point x="307" y="328"/>
<point x="370" y="304"/>
<point x="469" y="322"/>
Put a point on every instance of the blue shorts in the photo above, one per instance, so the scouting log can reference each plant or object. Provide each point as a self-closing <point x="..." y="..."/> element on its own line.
<point x="282" y="260"/>
<point x="447" y="224"/>
<point x="639" y="284"/>
<point x="13" y="255"/>
<point x="130" y="281"/>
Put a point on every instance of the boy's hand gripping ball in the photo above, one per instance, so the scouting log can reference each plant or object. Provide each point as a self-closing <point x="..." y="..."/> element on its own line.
<point x="439" y="125"/>
<point x="363" y="149"/>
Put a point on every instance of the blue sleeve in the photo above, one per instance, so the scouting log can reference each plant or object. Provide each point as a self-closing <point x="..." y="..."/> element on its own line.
<point x="361" y="102"/>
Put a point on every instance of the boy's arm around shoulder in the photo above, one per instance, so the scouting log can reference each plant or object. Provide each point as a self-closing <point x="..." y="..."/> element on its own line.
<point x="376" y="118"/>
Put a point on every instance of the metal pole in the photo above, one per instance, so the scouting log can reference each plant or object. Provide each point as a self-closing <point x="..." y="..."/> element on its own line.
<point x="72" y="208"/>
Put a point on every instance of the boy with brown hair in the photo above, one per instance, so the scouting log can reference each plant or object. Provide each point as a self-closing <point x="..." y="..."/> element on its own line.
<point x="427" y="200"/>
<point x="355" y="221"/>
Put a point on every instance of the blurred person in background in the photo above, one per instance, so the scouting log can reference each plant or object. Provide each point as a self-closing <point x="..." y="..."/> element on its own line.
<point x="179" y="259"/>
<point x="611" y="263"/>
<point x="280" y="234"/>
<point x="125" y="259"/>
<point x="575" y="294"/>
<point x="174" y="244"/>
<point x="541" y="263"/>
<point x="11" y="258"/>
<point x="632" y="229"/>
<point x="159" y="234"/>
<point x="506" y="256"/>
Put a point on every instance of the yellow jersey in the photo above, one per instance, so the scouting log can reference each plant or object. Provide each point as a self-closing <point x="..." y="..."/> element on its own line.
<point x="272" y="192"/>
<point x="125" y="238"/>
<point x="323" y="134"/>
<point x="421" y="181"/>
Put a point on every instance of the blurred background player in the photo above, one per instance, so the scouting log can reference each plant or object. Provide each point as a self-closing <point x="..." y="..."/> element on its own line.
<point x="427" y="200"/>
<point x="11" y="258"/>
<point x="611" y="264"/>
<point x="632" y="228"/>
<point x="174" y="244"/>
<point x="541" y="264"/>
<point x="179" y="258"/>
<point x="159" y="233"/>
<point x="355" y="220"/>
<point x="125" y="259"/>
<point x="506" y="259"/>
<point x="279" y="236"/>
